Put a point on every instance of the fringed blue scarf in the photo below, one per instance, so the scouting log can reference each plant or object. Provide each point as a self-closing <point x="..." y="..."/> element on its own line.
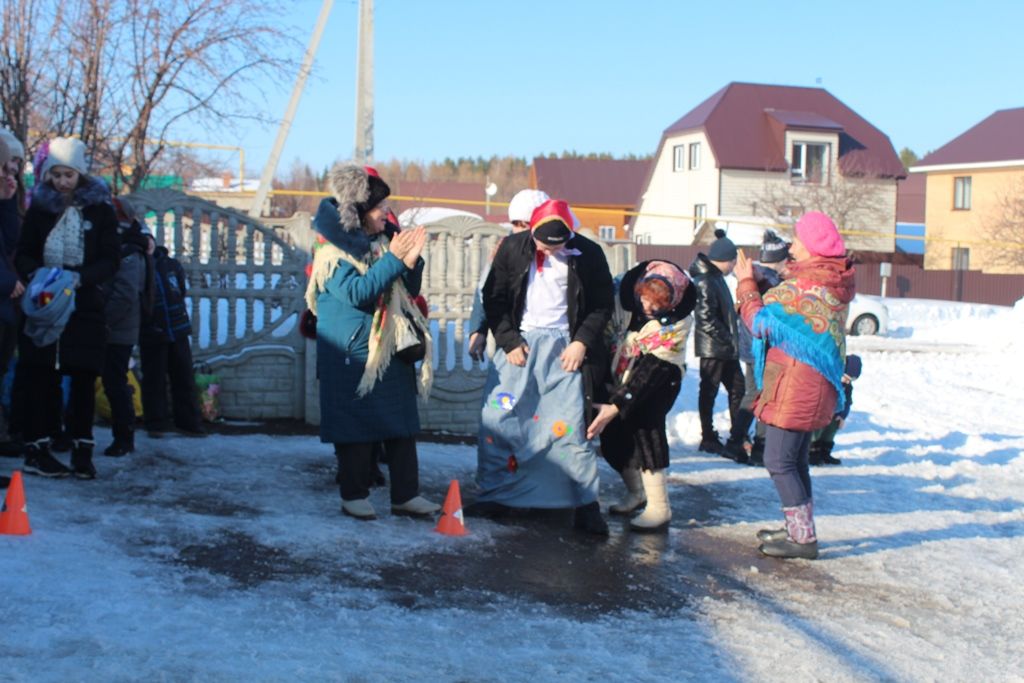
<point x="791" y="333"/>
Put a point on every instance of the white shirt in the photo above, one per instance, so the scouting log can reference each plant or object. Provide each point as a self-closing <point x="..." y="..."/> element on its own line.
<point x="547" y="294"/>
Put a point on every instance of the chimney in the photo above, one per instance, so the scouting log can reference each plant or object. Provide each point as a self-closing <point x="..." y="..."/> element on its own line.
<point x="226" y="179"/>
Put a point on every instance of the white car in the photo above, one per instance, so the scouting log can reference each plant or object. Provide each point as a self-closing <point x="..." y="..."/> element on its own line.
<point x="867" y="315"/>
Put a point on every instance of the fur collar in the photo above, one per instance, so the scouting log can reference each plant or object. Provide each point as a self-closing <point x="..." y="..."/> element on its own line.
<point x="92" y="192"/>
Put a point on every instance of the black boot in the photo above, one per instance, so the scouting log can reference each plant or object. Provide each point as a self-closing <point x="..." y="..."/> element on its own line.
<point x="757" y="452"/>
<point x="588" y="519"/>
<point x="5" y="482"/>
<point x="38" y="460"/>
<point x="735" y="451"/>
<point x="814" y="454"/>
<point x="826" y="455"/>
<point x="124" y="443"/>
<point x="709" y="443"/>
<point x="81" y="458"/>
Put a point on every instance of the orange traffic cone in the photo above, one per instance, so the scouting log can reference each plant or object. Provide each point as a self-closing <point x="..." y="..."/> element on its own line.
<point x="14" y="517"/>
<point x="451" y="523"/>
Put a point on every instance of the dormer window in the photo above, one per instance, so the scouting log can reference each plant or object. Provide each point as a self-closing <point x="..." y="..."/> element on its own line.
<point x="810" y="162"/>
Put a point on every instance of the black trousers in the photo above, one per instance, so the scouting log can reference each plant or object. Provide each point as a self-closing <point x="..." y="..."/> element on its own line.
<point x="115" y="385"/>
<point x="162" y="361"/>
<point x="356" y="468"/>
<point x="728" y="373"/>
<point x="43" y="413"/>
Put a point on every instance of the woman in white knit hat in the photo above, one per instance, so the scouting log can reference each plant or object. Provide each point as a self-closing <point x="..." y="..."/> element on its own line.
<point x="70" y="225"/>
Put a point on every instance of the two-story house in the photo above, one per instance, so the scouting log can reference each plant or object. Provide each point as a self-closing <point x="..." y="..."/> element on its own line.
<point x="751" y="152"/>
<point x="973" y="197"/>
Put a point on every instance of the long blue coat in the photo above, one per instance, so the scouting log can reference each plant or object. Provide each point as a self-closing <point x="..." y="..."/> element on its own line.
<point x="344" y="317"/>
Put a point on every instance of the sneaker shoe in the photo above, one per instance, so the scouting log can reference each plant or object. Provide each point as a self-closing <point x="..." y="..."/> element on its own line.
<point x="39" y="461"/>
<point x="588" y="519"/>
<point x="418" y="506"/>
<point x="359" y="508"/>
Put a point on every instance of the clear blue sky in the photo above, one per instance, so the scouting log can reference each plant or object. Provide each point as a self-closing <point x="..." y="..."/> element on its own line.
<point x="482" y="77"/>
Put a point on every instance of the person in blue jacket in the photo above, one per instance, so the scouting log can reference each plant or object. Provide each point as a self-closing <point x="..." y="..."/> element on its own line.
<point x="369" y="337"/>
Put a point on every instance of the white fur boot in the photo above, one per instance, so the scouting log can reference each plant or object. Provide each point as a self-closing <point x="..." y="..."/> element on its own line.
<point x="657" y="514"/>
<point x="634" y="498"/>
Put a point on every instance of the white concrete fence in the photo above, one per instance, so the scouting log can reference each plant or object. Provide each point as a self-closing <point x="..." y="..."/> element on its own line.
<point x="246" y="285"/>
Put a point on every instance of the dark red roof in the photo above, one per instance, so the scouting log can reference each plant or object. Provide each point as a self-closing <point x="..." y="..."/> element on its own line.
<point x="910" y="198"/>
<point x="744" y="123"/>
<point x="1000" y="137"/>
<point x="592" y="182"/>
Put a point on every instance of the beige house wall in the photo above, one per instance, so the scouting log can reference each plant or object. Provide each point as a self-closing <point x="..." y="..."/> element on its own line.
<point x="671" y="195"/>
<point x="949" y="228"/>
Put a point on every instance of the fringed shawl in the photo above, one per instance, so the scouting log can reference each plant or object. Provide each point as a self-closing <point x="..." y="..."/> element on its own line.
<point x="394" y="308"/>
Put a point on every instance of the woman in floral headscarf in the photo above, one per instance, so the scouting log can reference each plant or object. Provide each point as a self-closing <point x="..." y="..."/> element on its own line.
<point x="650" y="328"/>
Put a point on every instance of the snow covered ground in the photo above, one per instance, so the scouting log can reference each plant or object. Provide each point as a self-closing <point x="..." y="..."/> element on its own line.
<point x="226" y="559"/>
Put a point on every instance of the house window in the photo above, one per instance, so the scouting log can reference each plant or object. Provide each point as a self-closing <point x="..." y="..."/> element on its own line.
<point x="643" y="238"/>
<point x="694" y="156"/>
<point x="679" y="158"/>
<point x="699" y="212"/>
<point x="810" y="162"/>
<point x="962" y="193"/>
<point x="961" y="257"/>
<point x="606" y="232"/>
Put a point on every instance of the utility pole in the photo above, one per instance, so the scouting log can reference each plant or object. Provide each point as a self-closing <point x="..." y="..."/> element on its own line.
<point x="286" y="123"/>
<point x="363" y="153"/>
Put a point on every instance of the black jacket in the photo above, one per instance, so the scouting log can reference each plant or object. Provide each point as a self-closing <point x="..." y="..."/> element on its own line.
<point x="168" y="320"/>
<point x="638" y="437"/>
<point x="590" y="298"/>
<point x="10" y="226"/>
<point x="715" y="331"/>
<point x="84" y="339"/>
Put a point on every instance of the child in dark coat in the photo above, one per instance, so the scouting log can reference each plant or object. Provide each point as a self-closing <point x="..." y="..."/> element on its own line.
<point x="824" y="439"/>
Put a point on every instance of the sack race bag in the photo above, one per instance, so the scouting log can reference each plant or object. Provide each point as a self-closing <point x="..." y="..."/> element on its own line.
<point x="208" y="388"/>
<point x="410" y="341"/>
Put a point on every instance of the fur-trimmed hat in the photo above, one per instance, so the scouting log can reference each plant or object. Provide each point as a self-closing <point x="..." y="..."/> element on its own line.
<point x="68" y="152"/>
<point x="357" y="189"/>
<point x="722" y="249"/>
<point x="774" y="249"/>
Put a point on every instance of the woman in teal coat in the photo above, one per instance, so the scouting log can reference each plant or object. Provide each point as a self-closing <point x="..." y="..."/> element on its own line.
<point x="370" y="335"/>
